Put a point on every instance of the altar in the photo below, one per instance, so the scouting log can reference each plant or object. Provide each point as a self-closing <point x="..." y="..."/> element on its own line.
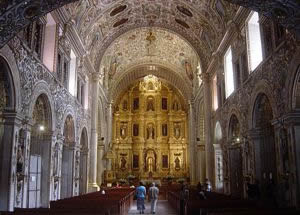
<point x="149" y="133"/>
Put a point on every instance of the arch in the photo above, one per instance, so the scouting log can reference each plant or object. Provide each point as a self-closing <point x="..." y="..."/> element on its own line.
<point x="291" y="81"/>
<point x="139" y="72"/>
<point x="42" y="88"/>
<point x="264" y="143"/>
<point x="262" y="87"/>
<point x="9" y="67"/>
<point x="295" y="95"/>
<point x="68" y="157"/>
<point x="40" y="152"/>
<point x="83" y="161"/>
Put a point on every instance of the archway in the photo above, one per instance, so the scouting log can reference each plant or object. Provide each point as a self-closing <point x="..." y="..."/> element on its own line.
<point x="264" y="143"/>
<point x="235" y="158"/>
<point x="40" y="148"/>
<point x="67" y="158"/>
<point x="83" y="162"/>
<point x="7" y="102"/>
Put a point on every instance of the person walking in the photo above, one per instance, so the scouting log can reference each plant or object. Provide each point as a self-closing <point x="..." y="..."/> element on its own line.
<point x="153" y="196"/>
<point x="140" y="197"/>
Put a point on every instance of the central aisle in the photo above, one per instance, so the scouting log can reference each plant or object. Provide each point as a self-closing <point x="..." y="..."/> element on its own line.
<point x="163" y="208"/>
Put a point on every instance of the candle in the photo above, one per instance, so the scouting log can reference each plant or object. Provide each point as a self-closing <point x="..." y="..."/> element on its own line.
<point x="270" y="175"/>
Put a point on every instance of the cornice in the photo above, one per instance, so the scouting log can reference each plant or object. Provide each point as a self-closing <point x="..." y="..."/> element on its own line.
<point x="72" y="33"/>
<point x="234" y="28"/>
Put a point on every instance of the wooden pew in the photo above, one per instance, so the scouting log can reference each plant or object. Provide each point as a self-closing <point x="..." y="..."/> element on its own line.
<point x="114" y="202"/>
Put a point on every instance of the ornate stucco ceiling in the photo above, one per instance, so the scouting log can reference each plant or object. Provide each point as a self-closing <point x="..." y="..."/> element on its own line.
<point x="286" y="12"/>
<point x="201" y="23"/>
<point x="149" y="46"/>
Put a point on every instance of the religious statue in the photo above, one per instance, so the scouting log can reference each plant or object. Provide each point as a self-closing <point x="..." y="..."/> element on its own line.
<point x="165" y="129"/>
<point x="175" y="106"/>
<point x="123" y="129"/>
<point x="113" y="68"/>
<point x="123" y="163"/>
<point x="125" y="105"/>
<point x="177" y="163"/>
<point x="55" y="159"/>
<point x="150" y="131"/>
<point x="150" y="105"/>
<point x="164" y="104"/>
<point x="188" y="70"/>
<point x="135" y="103"/>
<point x="284" y="149"/>
<point x="177" y="130"/>
<point x="135" y="130"/>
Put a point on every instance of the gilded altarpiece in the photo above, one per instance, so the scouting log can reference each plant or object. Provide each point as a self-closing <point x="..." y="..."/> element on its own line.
<point x="150" y="132"/>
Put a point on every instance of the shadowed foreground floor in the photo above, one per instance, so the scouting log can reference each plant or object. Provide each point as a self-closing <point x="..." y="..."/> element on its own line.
<point x="163" y="208"/>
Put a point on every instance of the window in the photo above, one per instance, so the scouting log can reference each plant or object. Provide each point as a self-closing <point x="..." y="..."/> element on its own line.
<point x="254" y="41"/>
<point x="86" y="95"/>
<point x="72" y="77"/>
<point x="215" y="95"/>
<point x="229" y="82"/>
<point x="50" y="42"/>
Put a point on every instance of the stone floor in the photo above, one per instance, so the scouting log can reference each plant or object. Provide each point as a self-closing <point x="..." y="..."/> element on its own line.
<point x="163" y="208"/>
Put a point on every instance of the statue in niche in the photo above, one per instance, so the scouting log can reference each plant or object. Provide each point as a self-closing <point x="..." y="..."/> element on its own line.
<point x="123" y="130"/>
<point x="55" y="159"/>
<point x="175" y="106"/>
<point x="189" y="70"/>
<point x="150" y="164"/>
<point x="177" y="130"/>
<point x="165" y="129"/>
<point x="135" y="103"/>
<point x="284" y="149"/>
<point x="113" y="68"/>
<point x="125" y="105"/>
<point x="150" y="131"/>
<point x="177" y="163"/>
<point x="123" y="163"/>
<point x="135" y="130"/>
<point x="164" y="103"/>
<point x="150" y="105"/>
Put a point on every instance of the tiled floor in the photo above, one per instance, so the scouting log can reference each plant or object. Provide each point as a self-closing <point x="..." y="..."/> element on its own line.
<point x="163" y="208"/>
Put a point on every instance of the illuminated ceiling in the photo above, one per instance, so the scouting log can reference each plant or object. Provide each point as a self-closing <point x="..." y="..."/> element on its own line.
<point x="149" y="46"/>
<point x="201" y="23"/>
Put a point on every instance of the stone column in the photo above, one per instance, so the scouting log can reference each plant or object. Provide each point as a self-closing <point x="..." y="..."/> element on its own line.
<point x="207" y="127"/>
<point x="100" y="168"/>
<point x="93" y="186"/>
<point x="8" y="158"/>
<point x="192" y="143"/>
<point x="109" y="123"/>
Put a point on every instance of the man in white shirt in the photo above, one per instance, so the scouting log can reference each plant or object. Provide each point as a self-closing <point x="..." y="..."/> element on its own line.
<point x="153" y="196"/>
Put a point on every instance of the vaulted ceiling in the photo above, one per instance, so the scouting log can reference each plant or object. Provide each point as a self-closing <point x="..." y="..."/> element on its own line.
<point x="108" y="27"/>
<point x="201" y="23"/>
<point x="153" y="46"/>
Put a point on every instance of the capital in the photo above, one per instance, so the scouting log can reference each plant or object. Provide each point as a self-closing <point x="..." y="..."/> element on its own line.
<point x="96" y="76"/>
<point x="205" y="76"/>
